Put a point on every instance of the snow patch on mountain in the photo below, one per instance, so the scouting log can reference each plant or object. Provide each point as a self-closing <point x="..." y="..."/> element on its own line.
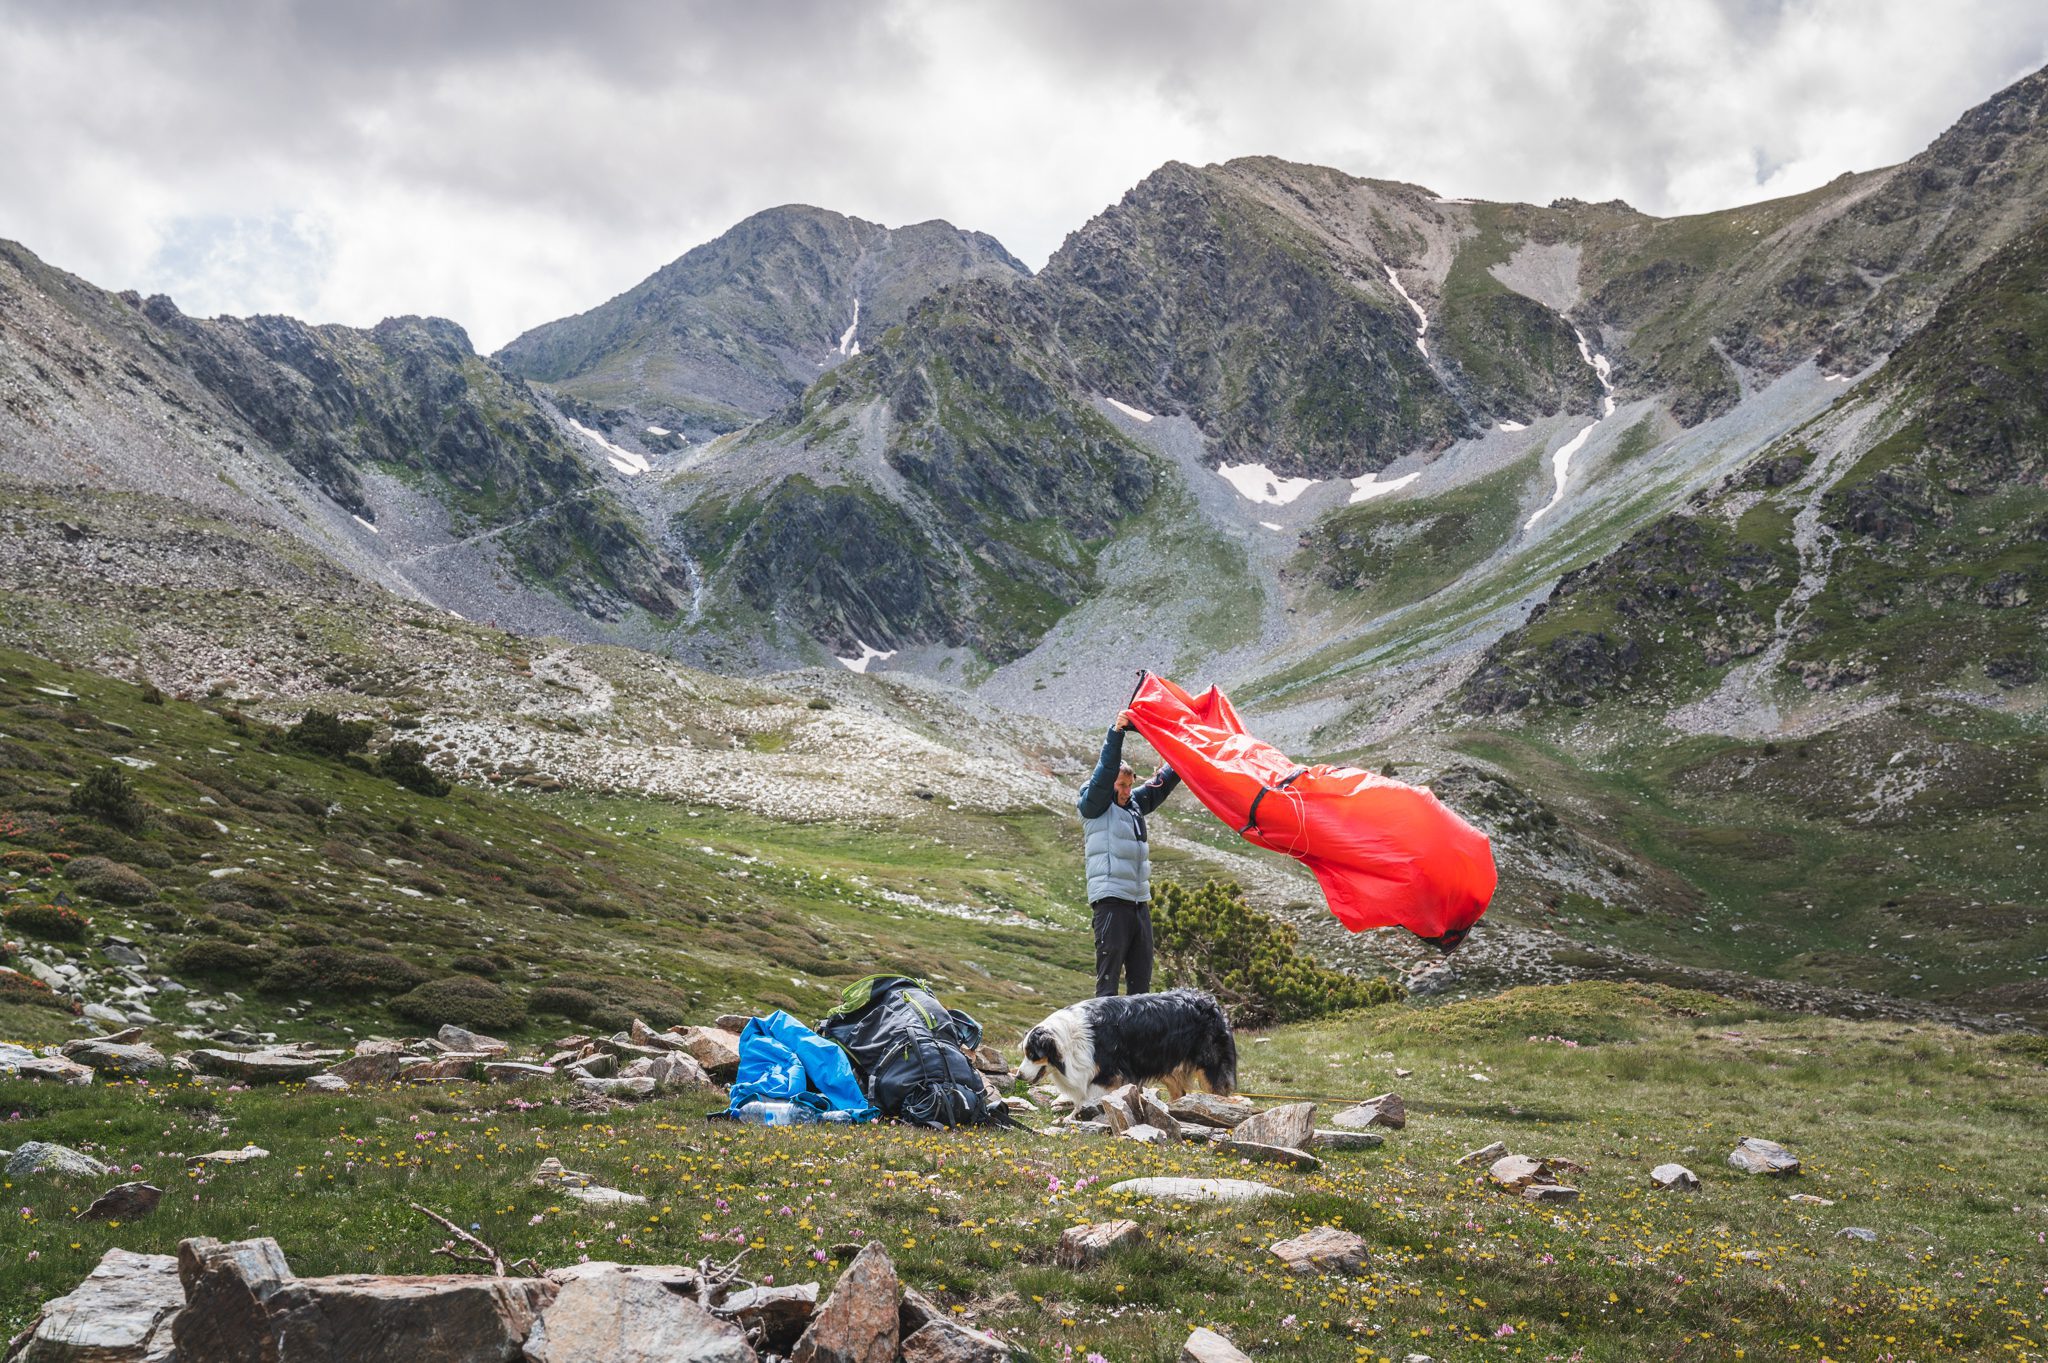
<point x="859" y="662"/>
<point x="1257" y="483"/>
<point x="1128" y="410"/>
<point x="846" y="338"/>
<point x="624" y="460"/>
<point x="1421" y="317"/>
<point x="1366" y="487"/>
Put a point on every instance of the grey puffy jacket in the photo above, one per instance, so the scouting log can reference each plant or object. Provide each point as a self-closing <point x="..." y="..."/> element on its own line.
<point x="1119" y="855"/>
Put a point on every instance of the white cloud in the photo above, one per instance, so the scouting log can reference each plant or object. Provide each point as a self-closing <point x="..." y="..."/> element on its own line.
<point x="505" y="164"/>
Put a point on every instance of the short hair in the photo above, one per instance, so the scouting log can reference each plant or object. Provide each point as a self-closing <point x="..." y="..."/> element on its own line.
<point x="1126" y="767"/>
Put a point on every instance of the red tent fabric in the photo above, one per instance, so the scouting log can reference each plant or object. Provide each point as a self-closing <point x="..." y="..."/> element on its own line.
<point x="1387" y="854"/>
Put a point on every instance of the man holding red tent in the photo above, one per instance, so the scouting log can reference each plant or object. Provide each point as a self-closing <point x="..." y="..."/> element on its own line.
<point x="1120" y="862"/>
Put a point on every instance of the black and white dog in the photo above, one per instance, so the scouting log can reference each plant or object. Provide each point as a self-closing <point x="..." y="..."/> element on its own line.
<point x="1093" y="1046"/>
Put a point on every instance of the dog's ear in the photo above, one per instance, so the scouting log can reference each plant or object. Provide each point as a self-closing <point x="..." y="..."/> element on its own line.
<point x="1041" y="1046"/>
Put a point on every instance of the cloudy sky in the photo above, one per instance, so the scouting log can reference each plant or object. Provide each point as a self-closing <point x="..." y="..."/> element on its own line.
<point x="506" y="162"/>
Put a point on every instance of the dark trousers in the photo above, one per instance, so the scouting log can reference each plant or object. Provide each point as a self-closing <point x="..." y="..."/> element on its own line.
<point x="1123" y="945"/>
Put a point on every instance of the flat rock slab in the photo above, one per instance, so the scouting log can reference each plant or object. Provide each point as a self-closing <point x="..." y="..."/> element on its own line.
<point x="945" y="1341"/>
<point x="1386" y="1110"/>
<point x="115" y="1057"/>
<point x="858" y="1322"/>
<point x="1269" y="1154"/>
<point x="1808" y="1199"/>
<point x="632" y="1090"/>
<point x="243" y="1156"/>
<point x="617" y="1317"/>
<point x="1675" y="1176"/>
<point x="1195" y="1189"/>
<point x="377" y="1067"/>
<point x="42" y="1157"/>
<point x="1550" y="1192"/>
<point x="1863" y="1233"/>
<point x="1289" y="1125"/>
<point x="669" y="1070"/>
<point x="258" y="1067"/>
<point x="1518" y="1171"/>
<point x="1325" y="1249"/>
<point x="125" y="1202"/>
<point x="50" y="1069"/>
<point x="1754" y="1155"/>
<point x="1208" y="1109"/>
<point x="121" y="1313"/>
<point x="1147" y="1134"/>
<point x="1206" y="1346"/>
<point x="1082" y="1245"/>
<point x="514" y="1072"/>
<point x="370" y="1318"/>
<point x="1346" y="1140"/>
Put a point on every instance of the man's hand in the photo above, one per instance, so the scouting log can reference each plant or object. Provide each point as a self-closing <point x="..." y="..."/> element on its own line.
<point x="1123" y="721"/>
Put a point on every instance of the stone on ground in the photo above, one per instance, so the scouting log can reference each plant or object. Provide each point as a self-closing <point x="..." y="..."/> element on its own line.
<point x="716" y="1049"/>
<point x="945" y="1341"/>
<point x="858" y="1322"/>
<point x="1386" y="1110"/>
<point x="47" y="1068"/>
<point x="43" y="1157"/>
<point x="1346" y="1140"/>
<point x="1484" y="1155"/>
<point x="604" y="1314"/>
<point x="1195" y="1189"/>
<point x="327" y="1083"/>
<point x="258" y="1067"/>
<point x="1675" y="1176"/>
<point x="1755" y="1155"/>
<point x="514" y="1072"/>
<point x="124" y="1202"/>
<point x="1259" y="1153"/>
<point x="374" y="1067"/>
<point x="242" y="1156"/>
<point x="453" y="1038"/>
<point x="777" y="1315"/>
<point x="1550" y="1192"/>
<point x="121" y="1313"/>
<point x="1810" y="1200"/>
<point x="1208" y="1109"/>
<point x="669" y="1071"/>
<point x="1289" y="1125"/>
<point x="1206" y="1346"/>
<point x="1518" y="1171"/>
<point x="1325" y="1249"/>
<point x="1863" y="1233"/>
<point x="117" y="1058"/>
<point x="1082" y="1245"/>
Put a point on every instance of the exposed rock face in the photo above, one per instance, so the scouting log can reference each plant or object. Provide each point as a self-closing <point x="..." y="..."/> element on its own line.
<point x="858" y="1322"/>
<point x="128" y="1061"/>
<point x="716" y="1050"/>
<point x="461" y="1041"/>
<point x="945" y="1341"/>
<point x="778" y="1314"/>
<point x="738" y="327"/>
<point x="1484" y="1155"/>
<point x="1206" y="1109"/>
<point x="121" y="1313"/>
<point x="1675" y="1176"/>
<point x="1259" y="1153"/>
<point x="607" y="1313"/>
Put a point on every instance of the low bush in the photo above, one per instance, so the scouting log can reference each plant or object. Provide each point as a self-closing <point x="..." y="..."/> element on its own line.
<point x="109" y="881"/>
<point x="105" y="795"/>
<point x="490" y="967"/>
<point x="247" y="888"/>
<point x="50" y="922"/>
<point x="16" y="988"/>
<point x="220" y="960"/>
<point x="335" y="971"/>
<point x="248" y="915"/>
<point x="578" y="1005"/>
<point x="329" y="735"/>
<point x="1209" y="938"/>
<point x="406" y="763"/>
<point x="463" y="1000"/>
<point x="27" y="862"/>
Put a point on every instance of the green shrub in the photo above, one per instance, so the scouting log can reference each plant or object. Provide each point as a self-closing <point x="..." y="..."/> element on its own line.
<point x="817" y="703"/>
<point x="247" y="888"/>
<point x="487" y="966"/>
<point x="463" y="1000"/>
<point x="340" y="971"/>
<point x="105" y="795"/>
<point x="50" y="922"/>
<point x="152" y="694"/>
<point x="22" y="989"/>
<point x="28" y="863"/>
<point x="406" y="763"/>
<point x="576" y="1004"/>
<point x="1211" y="939"/>
<point x="109" y="880"/>
<point x="220" y="960"/>
<point x="248" y="915"/>
<point x="329" y="735"/>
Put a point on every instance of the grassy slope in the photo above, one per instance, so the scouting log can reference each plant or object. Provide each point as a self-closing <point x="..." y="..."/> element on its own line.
<point x="1919" y="1134"/>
